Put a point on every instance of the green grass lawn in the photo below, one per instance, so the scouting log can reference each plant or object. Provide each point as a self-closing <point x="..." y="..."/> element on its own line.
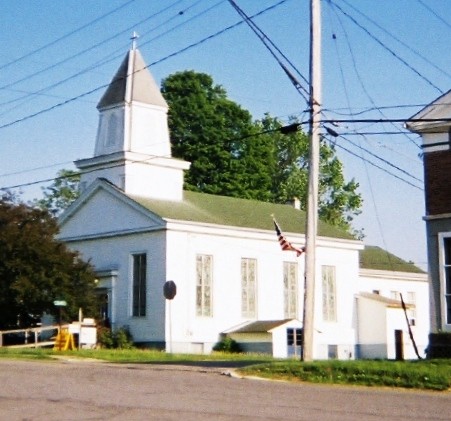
<point x="424" y="374"/>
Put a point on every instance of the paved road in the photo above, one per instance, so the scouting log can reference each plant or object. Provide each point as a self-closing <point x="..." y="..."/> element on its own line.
<point x="68" y="390"/>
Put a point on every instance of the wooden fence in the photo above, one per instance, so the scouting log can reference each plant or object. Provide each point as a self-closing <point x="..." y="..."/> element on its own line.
<point x="32" y="337"/>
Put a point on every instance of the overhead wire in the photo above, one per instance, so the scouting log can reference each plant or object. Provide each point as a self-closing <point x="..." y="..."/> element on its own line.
<point x="267" y="42"/>
<point x="385" y="47"/>
<point x="110" y="57"/>
<point x="67" y="35"/>
<point x="180" y="13"/>
<point x="367" y="162"/>
<point x="283" y="129"/>
<point x="350" y="112"/>
<point x="359" y="78"/>
<point x="413" y="50"/>
<point x="396" y="167"/>
<point x="378" y="166"/>
<point x="176" y="53"/>
<point x="434" y="13"/>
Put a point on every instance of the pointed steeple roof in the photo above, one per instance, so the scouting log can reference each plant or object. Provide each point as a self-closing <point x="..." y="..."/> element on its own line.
<point x="132" y="82"/>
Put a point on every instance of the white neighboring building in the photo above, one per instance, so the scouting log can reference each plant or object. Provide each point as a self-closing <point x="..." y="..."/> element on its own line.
<point x="379" y="311"/>
<point x="139" y="229"/>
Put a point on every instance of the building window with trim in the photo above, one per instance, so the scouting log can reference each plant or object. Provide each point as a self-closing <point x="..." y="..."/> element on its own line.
<point x="412" y="312"/>
<point x="139" y="284"/>
<point x="204" y="285"/>
<point x="249" y="288"/>
<point x="446" y="283"/>
<point x="290" y="290"/>
<point x="395" y="295"/>
<point x="329" y="293"/>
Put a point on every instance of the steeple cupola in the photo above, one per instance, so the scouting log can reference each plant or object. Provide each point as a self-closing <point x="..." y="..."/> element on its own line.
<point x="133" y="149"/>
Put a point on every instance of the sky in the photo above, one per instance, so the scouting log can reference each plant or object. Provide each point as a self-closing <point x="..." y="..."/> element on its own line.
<point x="381" y="59"/>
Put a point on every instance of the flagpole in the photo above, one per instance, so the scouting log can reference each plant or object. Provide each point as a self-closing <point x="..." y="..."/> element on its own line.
<point x="312" y="197"/>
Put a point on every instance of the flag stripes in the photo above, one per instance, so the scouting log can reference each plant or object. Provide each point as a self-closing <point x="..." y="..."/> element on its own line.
<point x="284" y="243"/>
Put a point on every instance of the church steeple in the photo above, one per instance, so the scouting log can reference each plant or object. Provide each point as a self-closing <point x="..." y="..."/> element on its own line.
<point x="132" y="145"/>
<point x="133" y="113"/>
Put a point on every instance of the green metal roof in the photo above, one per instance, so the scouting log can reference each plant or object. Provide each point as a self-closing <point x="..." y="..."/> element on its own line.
<point x="373" y="257"/>
<point x="235" y="212"/>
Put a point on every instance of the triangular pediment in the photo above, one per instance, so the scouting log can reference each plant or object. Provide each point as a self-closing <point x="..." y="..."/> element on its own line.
<point x="104" y="211"/>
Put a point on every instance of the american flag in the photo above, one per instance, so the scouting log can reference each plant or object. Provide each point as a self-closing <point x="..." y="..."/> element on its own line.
<point x="284" y="243"/>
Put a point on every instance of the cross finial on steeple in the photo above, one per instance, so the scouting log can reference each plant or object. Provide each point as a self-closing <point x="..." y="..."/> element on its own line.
<point x="134" y="37"/>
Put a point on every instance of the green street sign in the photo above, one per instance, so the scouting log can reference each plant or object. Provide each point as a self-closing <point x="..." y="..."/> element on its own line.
<point x="60" y="303"/>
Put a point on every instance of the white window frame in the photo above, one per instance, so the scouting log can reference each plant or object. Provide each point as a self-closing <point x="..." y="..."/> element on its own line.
<point x="395" y="295"/>
<point x="445" y="296"/>
<point x="204" y="285"/>
<point x="249" y="288"/>
<point x="329" y="293"/>
<point x="411" y="298"/>
<point x="290" y="290"/>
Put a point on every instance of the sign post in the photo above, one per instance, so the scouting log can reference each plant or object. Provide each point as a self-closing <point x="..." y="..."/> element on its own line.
<point x="60" y="304"/>
<point x="169" y="292"/>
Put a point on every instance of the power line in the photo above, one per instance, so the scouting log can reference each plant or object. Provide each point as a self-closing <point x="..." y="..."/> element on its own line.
<point x="86" y="69"/>
<point x="378" y="166"/>
<point x="291" y="128"/>
<point x="373" y="133"/>
<point x="418" y="54"/>
<point x="182" y="23"/>
<point x="381" y="159"/>
<point x="195" y="44"/>
<point x="50" y="44"/>
<point x="361" y="134"/>
<point x="374" y="108"/>
<point x="386" y="47"/>
<point x="35" y="169"/>
<point x="266" y="40"/>
<point x="359" y="78"/>
<point x="434" y="13"/>
<point x="386" y="120"/>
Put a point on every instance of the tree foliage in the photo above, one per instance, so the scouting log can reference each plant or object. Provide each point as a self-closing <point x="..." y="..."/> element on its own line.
<point x="205" y="126"/>
<point x="235" y="156"/>
<point x="36" y="269"/>
<point x="339" y="200"/>
<point x="61" y="193"/>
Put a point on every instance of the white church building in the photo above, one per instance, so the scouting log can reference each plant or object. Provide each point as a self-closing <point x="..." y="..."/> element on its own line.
<point x="140" y="229"/>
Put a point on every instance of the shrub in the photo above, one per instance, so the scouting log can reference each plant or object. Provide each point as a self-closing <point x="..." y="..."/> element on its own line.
<point x="227" y="345"/>
<point x="120" y="338"/>
<point x="105" y="337"/>
<point x="123" y="339"/>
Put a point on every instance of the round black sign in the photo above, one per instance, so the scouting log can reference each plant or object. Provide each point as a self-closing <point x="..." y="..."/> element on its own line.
<point x="169" y="290"/>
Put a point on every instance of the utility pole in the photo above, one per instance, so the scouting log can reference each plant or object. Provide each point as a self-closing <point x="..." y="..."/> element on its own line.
<point x="312" y="201"/>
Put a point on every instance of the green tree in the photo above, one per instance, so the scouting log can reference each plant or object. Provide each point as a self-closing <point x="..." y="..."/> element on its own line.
<point x="61" y="193"/>
<point x="205" y="127"/>
<point x="229" y="157"/>
<point x="36" y="269"/>
<point x="339" y="200"/>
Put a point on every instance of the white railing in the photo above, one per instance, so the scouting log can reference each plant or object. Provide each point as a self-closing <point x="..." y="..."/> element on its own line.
<point x="32" y="336"/>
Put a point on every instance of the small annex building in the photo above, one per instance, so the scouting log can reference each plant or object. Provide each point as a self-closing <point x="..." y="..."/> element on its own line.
<point x="140" y="229"/>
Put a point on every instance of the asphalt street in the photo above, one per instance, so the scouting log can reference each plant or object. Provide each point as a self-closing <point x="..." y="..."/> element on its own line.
<point x="88" y="390"/>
